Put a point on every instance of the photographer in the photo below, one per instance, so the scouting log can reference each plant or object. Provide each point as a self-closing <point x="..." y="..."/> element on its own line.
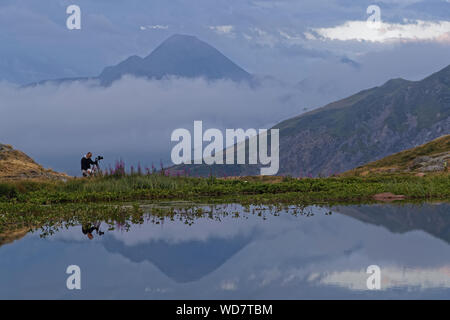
<point x="86" y="163"/>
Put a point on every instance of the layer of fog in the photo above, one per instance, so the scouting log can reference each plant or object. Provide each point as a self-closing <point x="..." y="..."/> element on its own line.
<point x="133" y="119"/>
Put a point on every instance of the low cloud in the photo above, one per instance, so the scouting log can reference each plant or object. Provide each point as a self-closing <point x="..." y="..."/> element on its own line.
<point x="133" y="119"/>
<point x="223" y="30"/>
<point x="411" y="31"/>
<point x="154" y="27"/>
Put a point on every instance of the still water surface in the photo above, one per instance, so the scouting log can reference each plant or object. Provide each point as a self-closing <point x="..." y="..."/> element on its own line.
<point x="250" y="255"/>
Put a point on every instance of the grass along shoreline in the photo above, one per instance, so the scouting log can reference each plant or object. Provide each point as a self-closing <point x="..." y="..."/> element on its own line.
<point x="157" y="187"/>
<point x="49" y="205"/>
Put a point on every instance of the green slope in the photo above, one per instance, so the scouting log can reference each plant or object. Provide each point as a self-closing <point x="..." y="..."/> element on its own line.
<point x="434" y="154"/>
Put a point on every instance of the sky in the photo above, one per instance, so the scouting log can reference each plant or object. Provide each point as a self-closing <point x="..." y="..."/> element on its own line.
<point x="312" y="52"/>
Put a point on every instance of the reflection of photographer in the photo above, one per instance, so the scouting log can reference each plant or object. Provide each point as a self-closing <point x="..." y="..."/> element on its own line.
<point x="89" y="167"/>
<point x="88" y="228"/>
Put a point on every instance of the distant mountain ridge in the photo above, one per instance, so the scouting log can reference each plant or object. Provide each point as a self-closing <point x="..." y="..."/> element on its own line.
<point x="433" y="219"/>
<point x="367" y="126"/>
<point x="364" y="127"/>
<point x="179" y="55"/>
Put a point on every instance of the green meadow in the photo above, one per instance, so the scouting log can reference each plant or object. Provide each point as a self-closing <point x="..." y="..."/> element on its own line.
<point x="125" y="198"/>
<point x="157" y="187"/>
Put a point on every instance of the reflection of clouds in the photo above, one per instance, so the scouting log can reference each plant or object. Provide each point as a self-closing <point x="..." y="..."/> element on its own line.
<point x="202" y="229"/>
<point x="288" y="257"/>
<point x="391" y="277"/>
<point x="304" y="256"/>
<point x="157" y="290"/>
<point x="229" y="285"/>
<point x="176" y="232"/>
<point x="268" y="276"/>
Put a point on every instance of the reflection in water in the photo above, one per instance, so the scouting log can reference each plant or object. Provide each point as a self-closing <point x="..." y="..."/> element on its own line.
<point x="393" y="277"/>
<point x="88" y="228"/>
<point x="240" y="252"/>
<point x="183" y="261"/>
<point x="433" y="219"/>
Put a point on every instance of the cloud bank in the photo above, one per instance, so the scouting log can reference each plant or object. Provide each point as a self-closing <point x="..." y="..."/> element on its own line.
<point x="133" y="119"/>
<point x="418" y="30"/>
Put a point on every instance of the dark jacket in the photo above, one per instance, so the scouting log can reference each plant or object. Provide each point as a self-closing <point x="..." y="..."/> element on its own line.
<point x="86" y="163"/>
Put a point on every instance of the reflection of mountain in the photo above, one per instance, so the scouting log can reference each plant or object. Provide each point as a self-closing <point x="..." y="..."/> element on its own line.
<point x="431" y="218"/>
<point x="184" y="261"/>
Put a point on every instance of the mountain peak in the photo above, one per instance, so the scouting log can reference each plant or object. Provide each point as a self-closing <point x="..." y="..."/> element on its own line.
<point x="180" y="40"/>
<point x="179" y="55"/>
<point x="181" y="37"/>
<point x="395" y="83"/>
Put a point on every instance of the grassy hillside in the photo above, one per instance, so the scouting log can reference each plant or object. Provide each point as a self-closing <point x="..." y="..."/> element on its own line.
<point x="430" y="157"/>
<point x="15" y="164"/>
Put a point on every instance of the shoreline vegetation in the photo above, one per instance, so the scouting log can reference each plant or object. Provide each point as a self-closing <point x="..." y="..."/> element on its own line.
<point x="158" y="186"/>
<point x="124" y="198"/>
